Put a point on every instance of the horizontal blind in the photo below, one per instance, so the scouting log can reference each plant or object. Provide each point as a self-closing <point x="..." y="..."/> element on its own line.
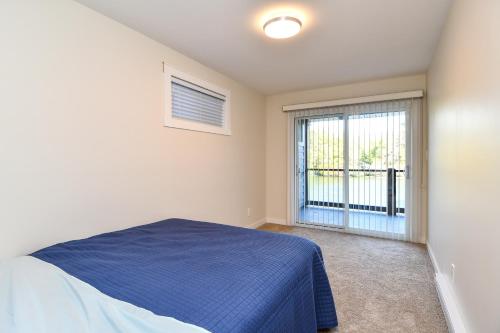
<point x="195" y="103"/>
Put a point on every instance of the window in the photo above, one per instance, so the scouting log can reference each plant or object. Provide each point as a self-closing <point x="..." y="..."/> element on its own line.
<point x="195" y="105"/>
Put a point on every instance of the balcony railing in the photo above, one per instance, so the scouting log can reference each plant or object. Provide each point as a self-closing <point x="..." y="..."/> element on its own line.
<point x="391" y="207"/>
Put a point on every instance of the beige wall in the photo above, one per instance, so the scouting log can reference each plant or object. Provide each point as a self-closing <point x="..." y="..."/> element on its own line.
<point x="276" y="127"/>
<point x="464" y="160"/>
<point x="82" y="145"/>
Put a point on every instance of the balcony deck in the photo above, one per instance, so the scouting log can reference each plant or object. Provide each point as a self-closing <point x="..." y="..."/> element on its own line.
<point x="358" y="219"/>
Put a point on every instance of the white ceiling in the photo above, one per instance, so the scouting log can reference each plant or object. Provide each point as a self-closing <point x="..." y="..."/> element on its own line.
<point x="341" y="40"/>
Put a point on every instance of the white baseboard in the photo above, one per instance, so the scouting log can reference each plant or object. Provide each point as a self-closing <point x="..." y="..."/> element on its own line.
<point x="265" y="220"/>
<point x="447" y="298"/>
<point x="257" y="223"/>
<point x="276" y="221"/>
<point x="433" y="259"/>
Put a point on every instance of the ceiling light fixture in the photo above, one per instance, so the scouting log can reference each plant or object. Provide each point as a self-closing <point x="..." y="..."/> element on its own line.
<point x="282" y="27"/>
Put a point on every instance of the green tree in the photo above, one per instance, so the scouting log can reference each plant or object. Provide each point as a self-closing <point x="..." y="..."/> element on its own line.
<point x="368" y="157"/>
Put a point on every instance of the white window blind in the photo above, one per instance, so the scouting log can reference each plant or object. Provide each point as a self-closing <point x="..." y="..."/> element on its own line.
<point x="358" y="168"/>
<point x="196" y="105"/>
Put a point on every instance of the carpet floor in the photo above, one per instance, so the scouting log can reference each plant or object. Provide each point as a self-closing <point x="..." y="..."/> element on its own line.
<point x="379" y="285"/>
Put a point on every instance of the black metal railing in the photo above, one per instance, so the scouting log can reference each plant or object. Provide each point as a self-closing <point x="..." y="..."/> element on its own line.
<point x="390" y="209"/>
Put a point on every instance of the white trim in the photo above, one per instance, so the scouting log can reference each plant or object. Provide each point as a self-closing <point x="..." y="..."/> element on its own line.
<point x="257" y="223"/>
<point x="433" y="259"/>
<point x="290" y="216"/>
<point x="265" y="220"/>
<point x="170" y="121"/>
<point x="447" y="298"/>
<point x="276" y="221"/>
<point x="345" y="121"/>
<point x="355" y="100"/>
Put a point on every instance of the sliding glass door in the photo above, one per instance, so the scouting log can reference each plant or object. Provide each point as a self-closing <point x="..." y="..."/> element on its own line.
<point x="351" y="170"/>
<point x="377" y="168"/>
<point x="322" y="160"/>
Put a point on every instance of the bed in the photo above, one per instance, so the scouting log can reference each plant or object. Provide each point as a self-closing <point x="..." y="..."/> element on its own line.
<point x="216" y="277"/>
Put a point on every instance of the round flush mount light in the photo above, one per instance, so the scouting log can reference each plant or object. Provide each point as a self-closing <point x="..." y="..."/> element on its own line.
<point x="282" y="27"/>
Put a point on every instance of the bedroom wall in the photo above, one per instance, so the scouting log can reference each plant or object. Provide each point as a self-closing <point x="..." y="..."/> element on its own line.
<point x="464" y="160"/>
<point x="82" y="144"/>
<point x="277" y="129"/>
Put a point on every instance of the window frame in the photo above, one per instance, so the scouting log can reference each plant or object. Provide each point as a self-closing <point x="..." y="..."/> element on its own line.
<point x="173" y="122"/>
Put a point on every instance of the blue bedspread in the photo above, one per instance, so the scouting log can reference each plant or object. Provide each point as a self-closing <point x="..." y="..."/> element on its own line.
<point x="221" y="278"/>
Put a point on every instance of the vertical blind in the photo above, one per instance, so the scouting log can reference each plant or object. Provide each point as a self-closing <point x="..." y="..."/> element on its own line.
<point x="358" y="168"/>
<point x="195" y="103"/>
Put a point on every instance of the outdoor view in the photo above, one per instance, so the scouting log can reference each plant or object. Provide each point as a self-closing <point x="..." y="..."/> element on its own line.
<point x="371" y="152"/>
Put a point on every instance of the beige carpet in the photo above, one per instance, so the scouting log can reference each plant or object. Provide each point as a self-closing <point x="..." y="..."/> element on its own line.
<point x="379" y="285"/>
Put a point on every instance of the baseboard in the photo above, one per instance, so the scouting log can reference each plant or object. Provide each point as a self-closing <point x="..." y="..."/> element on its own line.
<point x="257" y="223"/>
<point x="264" y="220"/>
<point x="433" y="259"/>
<point x="275" y="220"/>
<point x="447" y="298"/>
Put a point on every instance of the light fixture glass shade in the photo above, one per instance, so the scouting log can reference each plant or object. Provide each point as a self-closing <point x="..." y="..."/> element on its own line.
<point x="282" y="27"/>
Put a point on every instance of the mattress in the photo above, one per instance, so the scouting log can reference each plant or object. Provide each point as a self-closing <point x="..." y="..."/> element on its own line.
<point x="38" y="297"/>
<point x="217" y="277"/>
